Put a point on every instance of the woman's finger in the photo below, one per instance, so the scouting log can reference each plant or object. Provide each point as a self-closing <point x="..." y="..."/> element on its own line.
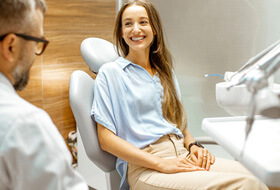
<point x="213" y="159"/>
<point x="191" y="167"/>
<point x="187" y="161"/>
<point x="193" y="158"/>
<point x="209" y="157"/>
<point x="199" y="158"/>
<point x="205" y="158"/>
<point x="190" y="161"/>
<point x="204" y="161"/>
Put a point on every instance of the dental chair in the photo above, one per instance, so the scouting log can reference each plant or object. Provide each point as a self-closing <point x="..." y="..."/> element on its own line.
<point x="94" y="164"/>
<point x="95" y="52"/>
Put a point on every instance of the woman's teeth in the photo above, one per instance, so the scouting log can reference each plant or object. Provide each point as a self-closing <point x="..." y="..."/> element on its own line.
<point x="137" y="39"/>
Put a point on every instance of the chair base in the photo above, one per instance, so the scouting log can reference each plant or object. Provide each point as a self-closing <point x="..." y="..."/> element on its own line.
<point x="95" y="177"/>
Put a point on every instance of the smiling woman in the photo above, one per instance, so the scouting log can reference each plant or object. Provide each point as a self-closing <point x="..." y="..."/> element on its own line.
<point x="140" y="118"/>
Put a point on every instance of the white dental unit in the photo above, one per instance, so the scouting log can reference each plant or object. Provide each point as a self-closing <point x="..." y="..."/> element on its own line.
<point x="254" y="138"/>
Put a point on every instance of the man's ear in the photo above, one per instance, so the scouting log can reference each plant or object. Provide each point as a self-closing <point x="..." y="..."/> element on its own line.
<point x="8" y="46"/>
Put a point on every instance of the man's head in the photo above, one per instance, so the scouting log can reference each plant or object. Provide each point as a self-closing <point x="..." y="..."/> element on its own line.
<point x="21" y="38"/>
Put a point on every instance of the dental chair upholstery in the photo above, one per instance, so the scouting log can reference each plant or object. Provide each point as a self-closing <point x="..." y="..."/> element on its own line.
<point x="96" y="52"/>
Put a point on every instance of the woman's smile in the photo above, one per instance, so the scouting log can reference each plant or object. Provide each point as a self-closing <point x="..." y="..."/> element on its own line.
<point x="137" y="39"/>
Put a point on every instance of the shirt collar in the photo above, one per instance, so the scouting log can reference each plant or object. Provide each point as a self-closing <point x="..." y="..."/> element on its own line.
<point x="122" y="62"/>
<point x="6" y="83"/>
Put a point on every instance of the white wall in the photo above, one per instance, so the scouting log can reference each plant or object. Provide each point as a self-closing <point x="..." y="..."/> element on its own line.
<point x="213" y="37"/>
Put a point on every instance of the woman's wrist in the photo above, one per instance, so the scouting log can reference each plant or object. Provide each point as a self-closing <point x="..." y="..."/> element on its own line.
<point x="194" y="144"/>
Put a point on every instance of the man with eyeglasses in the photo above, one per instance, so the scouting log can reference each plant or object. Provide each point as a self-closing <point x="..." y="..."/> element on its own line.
<point x="33" y="155"/>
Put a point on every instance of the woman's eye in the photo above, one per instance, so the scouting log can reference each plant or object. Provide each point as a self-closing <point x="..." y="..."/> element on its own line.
<point x="144" y="22"/>
<point x="127" y="23"/>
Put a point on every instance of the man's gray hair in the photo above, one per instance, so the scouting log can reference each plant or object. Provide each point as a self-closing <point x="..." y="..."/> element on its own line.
<point x="15" y="14"/>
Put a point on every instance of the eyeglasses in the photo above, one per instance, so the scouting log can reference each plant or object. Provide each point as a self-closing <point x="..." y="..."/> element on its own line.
<point x="41" y="42"/>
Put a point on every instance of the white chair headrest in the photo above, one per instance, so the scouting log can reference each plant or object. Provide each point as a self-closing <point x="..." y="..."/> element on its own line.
<point x="96" y="52"/>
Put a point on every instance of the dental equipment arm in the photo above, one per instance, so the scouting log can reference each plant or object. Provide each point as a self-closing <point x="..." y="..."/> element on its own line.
<point x="255" y="78"/>
<point x="253" y="60"/>
<point x="262" y="67"/>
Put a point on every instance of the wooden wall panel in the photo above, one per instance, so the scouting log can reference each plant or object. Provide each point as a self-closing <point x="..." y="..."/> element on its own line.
<point x="66" y="24"/>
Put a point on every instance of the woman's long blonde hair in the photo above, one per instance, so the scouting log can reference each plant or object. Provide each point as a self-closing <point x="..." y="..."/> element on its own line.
<point x="160" y="60"/>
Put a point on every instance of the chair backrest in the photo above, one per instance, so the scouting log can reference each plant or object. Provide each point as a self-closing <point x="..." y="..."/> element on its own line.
<point x="95" y="52"/>
<point x="81" y="96"/>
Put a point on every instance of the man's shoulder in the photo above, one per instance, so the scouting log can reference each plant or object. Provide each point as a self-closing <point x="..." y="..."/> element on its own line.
<point x="17" y="104"/>
<point x="23" y="120"/>
<point x="16" y="109"/>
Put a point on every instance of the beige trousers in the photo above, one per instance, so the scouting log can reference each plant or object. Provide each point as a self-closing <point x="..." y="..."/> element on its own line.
<point x="224" y="174"/>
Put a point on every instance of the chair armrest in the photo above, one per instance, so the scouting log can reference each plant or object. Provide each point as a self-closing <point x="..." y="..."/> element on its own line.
<point x="205" y="140"/>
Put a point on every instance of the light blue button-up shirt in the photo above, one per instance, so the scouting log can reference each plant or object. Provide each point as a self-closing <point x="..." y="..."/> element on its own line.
<point x="128" y="101"/>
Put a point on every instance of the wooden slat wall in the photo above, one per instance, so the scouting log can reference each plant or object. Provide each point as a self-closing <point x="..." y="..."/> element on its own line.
<point x="66" y="24"/>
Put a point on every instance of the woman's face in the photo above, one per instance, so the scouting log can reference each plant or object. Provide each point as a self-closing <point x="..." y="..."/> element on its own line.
<point x="136" y="28"/>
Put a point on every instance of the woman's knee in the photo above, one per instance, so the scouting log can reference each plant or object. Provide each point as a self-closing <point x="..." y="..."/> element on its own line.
<point x="251" y="182"/>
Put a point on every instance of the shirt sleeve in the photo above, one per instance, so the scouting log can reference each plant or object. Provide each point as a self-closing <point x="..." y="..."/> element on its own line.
<point x="36" y="156"/>
<point x="102" y="109"/>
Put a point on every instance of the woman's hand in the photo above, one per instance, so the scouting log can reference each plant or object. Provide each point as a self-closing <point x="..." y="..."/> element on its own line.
<point x="177" y="165"/>
<point x="202" y="157"/>
<point x="112" y="143"/>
